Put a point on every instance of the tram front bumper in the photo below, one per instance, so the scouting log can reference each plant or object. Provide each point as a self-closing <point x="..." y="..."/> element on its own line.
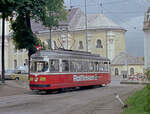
<point x="39" y="86"/>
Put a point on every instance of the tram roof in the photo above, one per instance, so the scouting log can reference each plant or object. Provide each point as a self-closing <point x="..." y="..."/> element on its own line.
<point x="62" y="53"/>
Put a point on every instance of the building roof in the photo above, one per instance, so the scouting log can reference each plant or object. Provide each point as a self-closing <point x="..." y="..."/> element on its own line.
<point x="96" y="21"/>
<point x="37" y="26"/>
<point x="76" y="21"/>
<point x="125" y="59"/>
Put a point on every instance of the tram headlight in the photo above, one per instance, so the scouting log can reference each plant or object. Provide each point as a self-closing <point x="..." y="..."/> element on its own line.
<point x="42" y="78"/>
<point x="31" y="78"/>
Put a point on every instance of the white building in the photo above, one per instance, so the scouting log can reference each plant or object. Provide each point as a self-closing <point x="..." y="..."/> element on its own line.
<point x="146" y="30"/>
<point x="7" y="31"/>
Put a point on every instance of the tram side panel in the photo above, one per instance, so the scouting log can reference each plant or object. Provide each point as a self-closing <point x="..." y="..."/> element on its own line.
<point x="46" y="82"/>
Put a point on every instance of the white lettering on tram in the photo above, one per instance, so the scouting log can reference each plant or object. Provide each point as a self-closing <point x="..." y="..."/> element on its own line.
<point x="84" y="78"/>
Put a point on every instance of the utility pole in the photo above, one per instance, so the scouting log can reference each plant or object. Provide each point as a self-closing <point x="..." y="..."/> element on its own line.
<point x="3" y="46"/>
<point x="86" y="32"/>
<point x="50" y="35"/>
<point x="70" y="4"/>
<point x="101" y="5"/>
<point x="50" y="39"/>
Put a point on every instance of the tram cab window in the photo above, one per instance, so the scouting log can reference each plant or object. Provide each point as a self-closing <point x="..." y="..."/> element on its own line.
<point x="39" y="66"/>
<point x="65" y="65"/>
<point x="54" y="65"/>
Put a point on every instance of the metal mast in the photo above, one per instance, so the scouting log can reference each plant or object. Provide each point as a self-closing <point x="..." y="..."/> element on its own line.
<point x="86" y="32"/>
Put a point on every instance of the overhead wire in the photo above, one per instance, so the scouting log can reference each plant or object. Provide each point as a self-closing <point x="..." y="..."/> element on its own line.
<point x="113" y="13"/>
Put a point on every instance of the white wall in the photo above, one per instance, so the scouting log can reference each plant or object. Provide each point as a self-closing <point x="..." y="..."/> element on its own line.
<point x="147" y="48"/>
<point x="7" y="28"/>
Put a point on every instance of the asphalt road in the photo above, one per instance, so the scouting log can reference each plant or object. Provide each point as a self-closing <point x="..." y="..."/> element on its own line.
<point x="90" y="101"/>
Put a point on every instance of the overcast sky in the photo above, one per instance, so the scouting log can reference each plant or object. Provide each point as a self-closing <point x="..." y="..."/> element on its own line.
<point x="128" y="13"/>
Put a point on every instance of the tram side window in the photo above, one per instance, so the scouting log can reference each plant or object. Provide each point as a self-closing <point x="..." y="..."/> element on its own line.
<point x="73" y="66"/>
<point x="96" y="66"/>
<point x="65" y="66"/>
<point x="54" y="65"/>
<point x="105" y="66"/>
<point x="79" y="66"/>
<point x="101" y="66"/>
<point x="85" y="66"/>
<point x="91" y="67"/>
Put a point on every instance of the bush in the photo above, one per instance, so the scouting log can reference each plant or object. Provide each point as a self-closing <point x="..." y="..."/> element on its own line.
<point x="147" y="104"/>
<point x="147" y="73"/>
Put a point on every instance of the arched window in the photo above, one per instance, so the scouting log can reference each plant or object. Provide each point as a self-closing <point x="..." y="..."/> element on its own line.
<point x="80" y="45"/>
<point x="99" y="44"/>
<point x="131" y="71"/>
<point x="116" y="72"/>
<point x="55" y="45"/>
<point x="15" y="63"/>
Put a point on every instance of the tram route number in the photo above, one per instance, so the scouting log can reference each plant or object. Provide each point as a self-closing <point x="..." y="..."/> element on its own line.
<point x="84" y="78"/>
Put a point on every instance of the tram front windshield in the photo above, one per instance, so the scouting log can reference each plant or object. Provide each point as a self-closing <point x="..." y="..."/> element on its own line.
<point x="39" y="66"/>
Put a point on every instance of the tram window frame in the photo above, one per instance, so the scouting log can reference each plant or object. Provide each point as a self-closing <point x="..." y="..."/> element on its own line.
<point x="40" y="66"/>
<point x="79" y="65"/>
<point x="91" y="66"/>
<point x="96" y="66"/>
<point x="73" y="65"/>
<point x="65" y="65"/>
<point x="85" y="66"/>
<point x="101" y="66"/>
<point x="106" y="66"/>
<point x="54" y="65"/>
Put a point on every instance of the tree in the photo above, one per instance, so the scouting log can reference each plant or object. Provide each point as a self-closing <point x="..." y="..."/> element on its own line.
<point x="23" y="36"/>
<point x="6" y="10"/>
<point x="55" y="14"/>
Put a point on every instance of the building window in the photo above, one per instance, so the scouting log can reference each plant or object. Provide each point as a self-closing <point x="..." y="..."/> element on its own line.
<point x="99" y="44"/>
<point x="116" y="72"/>
<point x="131" y="71"/>
<point x="15" y="63"/>
<point x="80" y="45"/>
<point x="15" y="50"/>
<point x="55" y="45"/>
<point x="26" y="61"/>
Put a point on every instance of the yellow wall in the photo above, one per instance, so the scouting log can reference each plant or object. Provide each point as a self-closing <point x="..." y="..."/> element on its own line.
<point x="75" y="37"/>
<point x="137" y="68"/>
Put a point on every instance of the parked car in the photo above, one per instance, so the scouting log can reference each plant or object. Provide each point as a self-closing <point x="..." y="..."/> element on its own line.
<point x="9" y="73"/>
<point x="20" y="75"/>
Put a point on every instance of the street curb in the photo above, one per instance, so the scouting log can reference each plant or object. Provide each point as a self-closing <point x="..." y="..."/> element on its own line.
<point x="134" y="82"/>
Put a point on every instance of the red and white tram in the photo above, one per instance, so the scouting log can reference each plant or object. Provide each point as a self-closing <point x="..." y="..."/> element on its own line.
<point x="56" y="69"/>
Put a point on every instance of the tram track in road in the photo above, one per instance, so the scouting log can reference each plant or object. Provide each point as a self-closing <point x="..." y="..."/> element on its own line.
<point x="100" y="105"/>
<point x="89" y="100"/>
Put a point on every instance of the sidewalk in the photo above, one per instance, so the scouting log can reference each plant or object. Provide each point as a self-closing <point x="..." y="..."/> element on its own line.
<point x="12" y="87"/>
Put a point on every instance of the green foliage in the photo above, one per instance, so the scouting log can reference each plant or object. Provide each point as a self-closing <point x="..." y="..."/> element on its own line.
<point x="138" y="102"/>
<point x="39" y="10"/>
<point x="7" y="7"/>
<point x="148" y="74"/>
<point x="147" y="105"/>
<point x="55" y="13"/>
<point x="23" y="37"/>
<point x="50" y="12"/>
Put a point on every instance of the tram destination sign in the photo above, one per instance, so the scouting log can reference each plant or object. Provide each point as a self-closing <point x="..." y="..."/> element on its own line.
<point x="84" y="78"/>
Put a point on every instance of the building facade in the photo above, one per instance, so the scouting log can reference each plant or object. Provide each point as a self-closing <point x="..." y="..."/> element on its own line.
<point x="7" y="31"/>
<point x="125" y="63"/>
<point x="146" y="30"/>
<point x="104" y="37"/>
